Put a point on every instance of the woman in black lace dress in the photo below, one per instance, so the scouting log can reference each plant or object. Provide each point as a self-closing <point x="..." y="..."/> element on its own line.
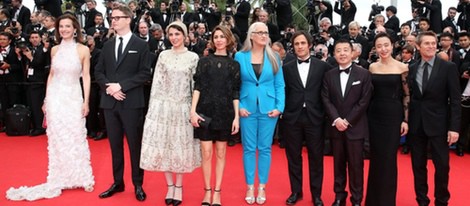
<point x="215" y="96"/>
<point x="388" y="114"/>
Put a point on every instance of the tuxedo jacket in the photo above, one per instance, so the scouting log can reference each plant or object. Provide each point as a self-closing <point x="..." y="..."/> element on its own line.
<point x="38" y="64"/>
<point x="23" y="17"/>
<point x="297" y="94"/>
<point x="242" y="15"/>
<point x="16" y="67"/>
<point x="393" y="23"/>
<point x="131" y="72"/>
<point x="437" y="108"/>
<point x="353" y="105"/>
<point x="448" y="22"/>
<point x="264" y="94"/>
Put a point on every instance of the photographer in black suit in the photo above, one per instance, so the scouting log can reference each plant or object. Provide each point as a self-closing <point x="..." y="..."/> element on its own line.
<point x="20" y="13"/>
<point x="36" y="60"/>
<point x="393" y="22"/>
<point x="347" y="10"/>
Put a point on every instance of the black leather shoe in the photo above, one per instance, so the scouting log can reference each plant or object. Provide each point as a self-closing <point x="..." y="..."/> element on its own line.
<point x="231" y="142"/>
<point x="115" y="188"/>
<point x="339" y="203"/>
<point x="37" y="132"/>
<point x="3" y="129"/>
<point x="317" y="202"/>
<point x="100" y="136"/>
<point x="293" y="198"/>
<point x="177" y="202"/>
<point x="139" y="193"/>
<point x="92" y="134"/>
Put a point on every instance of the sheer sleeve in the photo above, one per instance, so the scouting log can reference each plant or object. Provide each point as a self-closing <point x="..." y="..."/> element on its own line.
<point x="200" y="74"/>
<point x="406" y="95"/>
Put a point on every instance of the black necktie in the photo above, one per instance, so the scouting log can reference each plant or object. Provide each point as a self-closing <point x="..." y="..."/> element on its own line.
<point x="347" y="70"/>
<point x="119" y="51"/>
<point x="425" y="76"/>
<point x="303" y="61"/>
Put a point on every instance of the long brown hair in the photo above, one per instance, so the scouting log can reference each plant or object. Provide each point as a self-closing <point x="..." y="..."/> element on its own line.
<point x="78" y="37"/>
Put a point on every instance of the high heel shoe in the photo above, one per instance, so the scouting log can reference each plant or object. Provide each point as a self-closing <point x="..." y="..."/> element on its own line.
<point x="168" y="200"/>
<point x="217" y="204"/>
<point x="261" y="199"/>
<point x="177" y="202"/>
<point x="204" y="203"/>
<point x="250" y="199"/>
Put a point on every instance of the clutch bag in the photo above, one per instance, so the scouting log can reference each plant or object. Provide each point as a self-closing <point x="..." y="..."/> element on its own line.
<point x="205" y="124"/>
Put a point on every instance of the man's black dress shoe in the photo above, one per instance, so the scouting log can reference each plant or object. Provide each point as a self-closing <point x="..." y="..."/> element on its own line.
<point x="37" y="132"/>
<point x="115" y="188"/>
<point x="177" y="202"/>
<point x="339" y="203"/>
<point x="139" y="193"/>
<point x="317" y="202"/>
<point x="100" y="136"/>
<point x="293" y="198"/>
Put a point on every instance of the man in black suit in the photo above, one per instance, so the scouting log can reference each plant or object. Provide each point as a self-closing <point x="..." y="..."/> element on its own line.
<point x="434" y="118"/>
<point x="446" y="40"/>
<point x="162" y="15"/>
<point x="450" y="19"/>
<point x="99" y="31"/>
<point x="433" y="12"/>
<point x="346" y="94"/>
<point x="90" y="14"/>
<point x="464" y="42"/>
<point x="303" y="117"/>
<point x="36" y="59"/>
<point x="241" y="18"/>
<point x="393" y="22"/>
<point x="347" y="10"/>
<point x="121" y="76"/>
<point x="20" y="13"/>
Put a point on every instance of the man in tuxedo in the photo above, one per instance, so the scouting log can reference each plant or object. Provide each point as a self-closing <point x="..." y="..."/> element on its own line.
<point x="161" y="16"/>
<point x="434" y="118"/>
<point x="99" y="31"/>
<point x="346" y="94"/>
<point x="393" y="22"/>
<point x="36" y="59"/>
<point x="450" y="19"/>
<point x="303" y="117"/>
<point x="90" y="14"/>
<point x="143" y="33"/>
<point x="446" y="40"/>
<point x="20" y="13"/>
<point x="121" y="72"/>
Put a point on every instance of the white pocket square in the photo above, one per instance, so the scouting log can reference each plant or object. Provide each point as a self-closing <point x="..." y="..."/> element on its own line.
<point x="356" y="83"/>
<point x="132" y="52"/>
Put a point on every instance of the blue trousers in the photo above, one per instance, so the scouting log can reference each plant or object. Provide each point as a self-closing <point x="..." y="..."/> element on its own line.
<point x="257" y="133"/>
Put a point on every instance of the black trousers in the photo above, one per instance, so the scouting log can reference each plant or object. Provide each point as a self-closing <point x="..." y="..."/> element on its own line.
<point x="36" y="93"/>
<point x="95" y="120"/>
<point x="440" y="158"/>
<point x="465" y="122"/>
<point x="347" y="156"/>
<point x="295" y="135"/>
<point x="129" y="121"/>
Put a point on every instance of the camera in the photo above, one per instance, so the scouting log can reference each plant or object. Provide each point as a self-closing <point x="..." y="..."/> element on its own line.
<point x="319" y="54"/>
<point x="374" y="57"/>
<point x="174" y="6"/>
<point x="21" y="43"/>
<point x="375" y="9"/>
<point x="269" y="6"/>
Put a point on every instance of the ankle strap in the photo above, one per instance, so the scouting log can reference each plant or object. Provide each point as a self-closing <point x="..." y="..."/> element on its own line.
<point x="171" y="185"/>
<point x="219" y="190"/>
<point x="207" y="189"/>
<point x="181" y="186"/>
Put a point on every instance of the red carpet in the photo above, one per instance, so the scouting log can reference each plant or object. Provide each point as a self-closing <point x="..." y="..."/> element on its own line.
<point x="24" y="162"/>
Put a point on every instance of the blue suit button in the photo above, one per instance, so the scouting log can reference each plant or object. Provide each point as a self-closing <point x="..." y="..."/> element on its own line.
<point x="257" y="84"/>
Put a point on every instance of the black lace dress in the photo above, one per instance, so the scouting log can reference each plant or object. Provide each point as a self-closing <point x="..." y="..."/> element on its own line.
<point x="217" y="79"/>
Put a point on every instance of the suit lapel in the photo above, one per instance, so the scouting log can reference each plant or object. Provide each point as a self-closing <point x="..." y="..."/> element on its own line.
<point x="337" y="82"/>
<point x="310" y="72"/>
<point x="352" y="75"/>
<point x="296" y="74"/>
<point x="126" y="50"/>
<point x="434" y="72"/>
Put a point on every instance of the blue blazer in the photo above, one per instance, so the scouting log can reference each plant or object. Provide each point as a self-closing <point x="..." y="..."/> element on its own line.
<point x="266" y="93"/>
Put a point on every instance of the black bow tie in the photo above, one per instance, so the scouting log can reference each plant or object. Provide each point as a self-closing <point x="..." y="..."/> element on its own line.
<point x="303" y="61"/>
<point x="345" y="70"/>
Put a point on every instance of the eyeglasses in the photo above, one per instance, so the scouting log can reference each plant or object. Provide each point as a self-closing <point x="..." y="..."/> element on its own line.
<point x="116" y="18"/>
<point x="261" y="33"/>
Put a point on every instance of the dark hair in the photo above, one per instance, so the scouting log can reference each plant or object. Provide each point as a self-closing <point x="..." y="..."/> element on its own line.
<point x="174" y="26"/>
<point x="7" y="34"/>
<point x="425" y="19"/>
<point x="99" y="14"/>
<point x="447" y="34"/>
<point x="452" y="8"/>
<point x="34" y="32"/>
<point x="382" y="35"/>
<point x="5" y="12"/>
<point x="302" y="33"/>
<point x="461" y="34"/>
<point x="405" y="24"/>
<point x="344" y="41"/>
<point x="228" y="35"/>
<point x="393" y="9"/>
<point x="75" y="25"/>
<point x="408" y="48"/>
<point x="125" y="9"/>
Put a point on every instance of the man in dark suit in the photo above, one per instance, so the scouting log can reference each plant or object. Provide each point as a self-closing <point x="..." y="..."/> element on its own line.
<point x="162" y="15"/>
<point x="36" y="59"/>
<point x="347" y="9"/>
<point x="433" y="12"/>
<point x="346" y="94"/>
<point x="450" y="19"/>
<point x="446" y="40"/>
<point x="20" y="13"/>
<point x="303" y="117"/>
<point x="434" y="118"/>
<point x="90" y="15"/>
<point x="393" y="22"/>
<point x="121" y="76"/>
<point x="241" y="18"/>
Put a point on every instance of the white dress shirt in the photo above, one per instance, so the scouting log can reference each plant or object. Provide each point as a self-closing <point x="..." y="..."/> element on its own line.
<point x="125" y="40"/>
<point x="344" y="78"/>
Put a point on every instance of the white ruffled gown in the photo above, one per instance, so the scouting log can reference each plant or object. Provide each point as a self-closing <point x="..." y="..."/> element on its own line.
<point x="68" y="151"/>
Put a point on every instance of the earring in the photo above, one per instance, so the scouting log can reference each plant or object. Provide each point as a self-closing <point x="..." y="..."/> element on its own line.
<point x="74" y="34"/>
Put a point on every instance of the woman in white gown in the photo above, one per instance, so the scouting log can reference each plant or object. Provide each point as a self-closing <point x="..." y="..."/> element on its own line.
<point x="66" y="107"/>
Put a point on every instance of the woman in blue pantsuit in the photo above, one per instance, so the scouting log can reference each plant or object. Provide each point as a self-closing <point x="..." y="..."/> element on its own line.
<point x="261" y="103"/>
